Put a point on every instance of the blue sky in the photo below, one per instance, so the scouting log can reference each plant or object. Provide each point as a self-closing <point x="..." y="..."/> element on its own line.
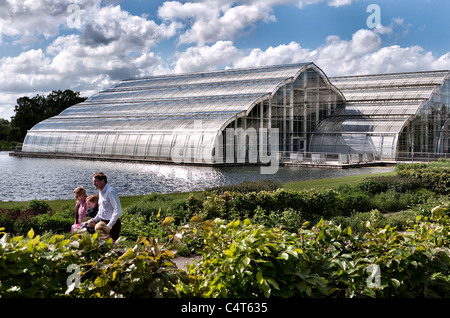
<point x="45" y="46"/>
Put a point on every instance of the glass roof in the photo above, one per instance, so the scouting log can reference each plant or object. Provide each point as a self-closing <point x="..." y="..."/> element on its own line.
<point x="182" y="105"/>
<point x="233" y="75"/>
<point x="378" y="107"/>
<point x="220" y="94"/>
<point x="388" y="94"/>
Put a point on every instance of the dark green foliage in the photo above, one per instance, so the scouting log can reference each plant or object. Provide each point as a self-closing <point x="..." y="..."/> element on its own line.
<point x="30" y="111"/>
<point x="248" y="186"/>
<point x="308" y="204"/>
<point x="142" y="218"/>
<point x="37" y="215"/>
<point x="241" y="259"/>
<point x="274" y="252"/>
<point x="434" y="176"/>
<point x="34" y="266"/>
<point x="397" y="183"/>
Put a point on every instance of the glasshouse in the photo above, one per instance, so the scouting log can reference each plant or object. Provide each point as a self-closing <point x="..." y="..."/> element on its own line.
<point x="254" y="115"/>
<point x="398" y="116"/>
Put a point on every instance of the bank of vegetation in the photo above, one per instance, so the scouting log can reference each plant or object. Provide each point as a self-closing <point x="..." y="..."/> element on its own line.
<point x="385" y="236"/>
<point x="31" y="110"/>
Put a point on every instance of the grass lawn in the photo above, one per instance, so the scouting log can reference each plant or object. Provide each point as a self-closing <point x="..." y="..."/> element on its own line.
<point x="332" y="182"/>
<point x="295" y="185"/>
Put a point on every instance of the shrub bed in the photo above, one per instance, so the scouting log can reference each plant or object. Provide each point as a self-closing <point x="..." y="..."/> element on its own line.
<point x="84" y="266"/>
<point x="434" y="176"/>
<point x="307" y="204"/>
<point x="241" y="259"/>
<point x="37" y="215"/>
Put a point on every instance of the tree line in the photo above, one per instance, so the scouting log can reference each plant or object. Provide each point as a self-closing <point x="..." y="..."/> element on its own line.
<point x="31" y="110"/>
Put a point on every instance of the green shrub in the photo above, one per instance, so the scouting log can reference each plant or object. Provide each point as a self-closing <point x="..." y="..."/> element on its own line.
<point x="19" y="220"/>
<point x="402" y="221"/>
<point x="362" y="222"/>
<point x="400" y="184"/>
<point x="137" y="224"/>
<point x="392" y="201"/>
<point x="150" y="205"/>
<point x="290" y="220"/>
<point x="248" y="186"/>
<point x="434" y="176"/>
<point x="54" y="222"/>
<point x="35" y="266"/>
<point x="372" y="186"/>
<point x="311" y="204"/>
<point x="241" y="259"/>
<point x="39" y="206"/>
<point x="357" y="201"/>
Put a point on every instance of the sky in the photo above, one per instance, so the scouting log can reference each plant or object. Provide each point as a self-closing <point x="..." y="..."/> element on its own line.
<point x="89" y="45"/>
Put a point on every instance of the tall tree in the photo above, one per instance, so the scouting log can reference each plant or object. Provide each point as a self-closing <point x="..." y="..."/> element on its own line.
<point x="4" y="129"/>
<point x="30" y="111"/>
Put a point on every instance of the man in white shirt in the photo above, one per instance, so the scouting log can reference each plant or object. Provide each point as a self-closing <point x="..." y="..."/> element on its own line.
<point x="109" y="208"/>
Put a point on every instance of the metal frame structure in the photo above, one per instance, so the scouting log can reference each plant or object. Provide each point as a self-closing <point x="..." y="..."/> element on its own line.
<point x="391" y="116"/>
<point x="194" y="118"/>
<point x="186" y="116"/>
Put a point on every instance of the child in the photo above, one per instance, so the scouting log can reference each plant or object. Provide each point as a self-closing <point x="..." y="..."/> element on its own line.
<point x="103" y="231"/>
<point x="92" y="206"/>
<point x="80" y="208"/>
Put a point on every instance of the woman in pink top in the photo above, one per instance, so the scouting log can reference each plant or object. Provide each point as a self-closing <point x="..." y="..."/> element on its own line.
<point x="80" y="207"/>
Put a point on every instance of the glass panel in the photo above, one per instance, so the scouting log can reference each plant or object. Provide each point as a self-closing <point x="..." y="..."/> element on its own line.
<point x="141" y="145"/>
<point x="166" y="146"/>
<point x="109" y="144"/>
<point x="154" y="146"/>
<point x="130" y="145"/>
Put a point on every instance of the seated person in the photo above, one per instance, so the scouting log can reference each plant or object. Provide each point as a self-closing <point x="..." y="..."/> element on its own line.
<point x="91" y="212"/>
<point x="92" y="206"/>
<point x="103" y="231"/>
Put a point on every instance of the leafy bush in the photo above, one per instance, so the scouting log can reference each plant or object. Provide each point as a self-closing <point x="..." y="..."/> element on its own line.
<point x="39" y="206"/>
<point x="241" y="259"/>
<point x="372" y="186"/>
<point x="355" y="201"/>
<point x="310" y="204"/>
<point x="434" y="176"/>
<point x="150" y="205"/>
<point x="362" y="222"/>
<point x="37" y="215"/>
<point x="392" y="201"/>
<point x="17" y="220"/>
<point x="143" y="217"/>
<point x="35" y="266"/>
<point x="399" y="184"/>
<point x="248" y="186"/>
<point x="245" y="260"/>
<point x="52" y="222"/>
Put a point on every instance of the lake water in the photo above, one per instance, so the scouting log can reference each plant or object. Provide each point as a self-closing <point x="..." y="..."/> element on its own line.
<point x="25" y="179"/>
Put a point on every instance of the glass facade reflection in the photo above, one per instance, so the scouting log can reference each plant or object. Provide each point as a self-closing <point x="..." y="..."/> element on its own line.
<point x="231" y="116"/>
<point x="185" y="117"/>
<point x="392" y="116"/>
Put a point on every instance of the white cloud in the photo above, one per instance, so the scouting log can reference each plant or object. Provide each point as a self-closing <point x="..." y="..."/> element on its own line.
<point x="282" y="54"/>
<point x="111" y="45"/>
<point x="363" y="54"/>
<point x="25" y="19"/>
<point x="211" y="21"/>
<point x="204" y="58"/>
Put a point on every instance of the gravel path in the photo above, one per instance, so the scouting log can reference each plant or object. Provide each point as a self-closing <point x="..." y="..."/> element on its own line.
<point x="181" y="261"/>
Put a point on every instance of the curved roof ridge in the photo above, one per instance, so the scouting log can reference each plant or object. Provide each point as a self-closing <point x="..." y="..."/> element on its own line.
<point x="229" y="70"/>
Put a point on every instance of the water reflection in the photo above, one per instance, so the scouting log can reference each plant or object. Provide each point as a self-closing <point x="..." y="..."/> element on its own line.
<point x="50" y="179"/>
